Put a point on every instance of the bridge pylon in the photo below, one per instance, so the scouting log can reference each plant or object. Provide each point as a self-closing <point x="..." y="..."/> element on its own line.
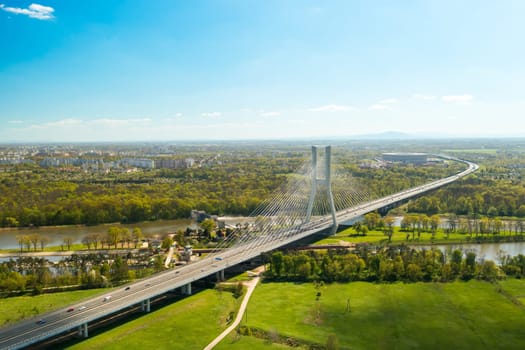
<point x="323" y="179"/>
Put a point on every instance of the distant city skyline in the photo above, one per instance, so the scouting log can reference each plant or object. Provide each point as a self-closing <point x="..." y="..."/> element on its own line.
<point x="89" y="71"/>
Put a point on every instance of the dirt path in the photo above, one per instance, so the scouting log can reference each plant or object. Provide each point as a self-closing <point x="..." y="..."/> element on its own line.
<point x="250" y="288"/>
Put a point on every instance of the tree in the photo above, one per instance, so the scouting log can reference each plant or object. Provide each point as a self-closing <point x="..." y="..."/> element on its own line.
<point x="488" y="270"/>
<point x="521" y="211"/>
<point x="208" y="225"/>
<point x="277" y="263"/>
<point x="389" y="222"/>
<point x="434" y="224"/>
<point x="119" y="269"/>
<point x="114" y="235"/>
<point x="125" y="236"/>
<point x="27" y="242"/>
<point x="44" y="240"/>
<point x="68" y="241"/>
<point x="497" y="226"/>
<point x="492" y="212"/>
<point x="87" y="241"/>
<point x="96" y="239"/>
<point x="137" y="236"/>
<point x="22" y="239"/>
<point x="455" y="261"/>
<point x="372" y="220"/>
<point x="413" y="272"/>
<point x="167" y="242"/>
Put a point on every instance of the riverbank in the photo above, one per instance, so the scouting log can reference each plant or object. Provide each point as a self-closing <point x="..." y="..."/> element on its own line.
<point x="66" y="253"/>
<point x="56" y="234"/>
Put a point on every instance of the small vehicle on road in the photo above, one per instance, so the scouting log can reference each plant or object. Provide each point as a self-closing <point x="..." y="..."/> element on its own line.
<point x="218" y="258"/>
<point x="71" y="309"/>
<point x="127" y="288"/>
<point x="81" y="308"/>
<point x="107" y="298"/>
<point x="41" y="321"/>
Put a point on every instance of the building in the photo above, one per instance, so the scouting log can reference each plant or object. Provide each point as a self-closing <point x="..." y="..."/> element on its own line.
<point x="139" y="163"/>
<point x="407" y="158"/>
<point x="174" y="163"/>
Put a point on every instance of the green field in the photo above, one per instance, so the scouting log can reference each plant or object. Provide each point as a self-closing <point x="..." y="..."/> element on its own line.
<point x="492" y="151"/>
<point x="17" y="308"/>
<point x="472" y="315"/>
<point x="252" y="343"/>
<point x="190" y="323"/>
<point x="398" y="237"/>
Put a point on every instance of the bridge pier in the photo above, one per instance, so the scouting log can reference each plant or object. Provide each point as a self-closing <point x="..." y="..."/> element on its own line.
<point x="186" y="289"/>
<point x="83" y="330"/>
<point x="145" y="305"/>
<point x="220" y="275"/>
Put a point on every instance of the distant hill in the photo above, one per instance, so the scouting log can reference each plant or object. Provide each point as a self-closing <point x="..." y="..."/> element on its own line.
<point x="387" y="135"/>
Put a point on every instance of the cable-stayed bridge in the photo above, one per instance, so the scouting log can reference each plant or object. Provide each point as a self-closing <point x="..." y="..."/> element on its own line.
<point x="312" y="201"/>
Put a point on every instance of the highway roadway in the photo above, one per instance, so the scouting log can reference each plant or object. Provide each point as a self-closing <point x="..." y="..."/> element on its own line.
<point x="71" y="317"/>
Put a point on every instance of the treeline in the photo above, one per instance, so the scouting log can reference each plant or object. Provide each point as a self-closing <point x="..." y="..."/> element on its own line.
<point x="390" y="265"/>
<point x="35" y="275"/>
<point x="480" y="195"/>
<point x="46" y="197"/>
<point x="114" y="235"/>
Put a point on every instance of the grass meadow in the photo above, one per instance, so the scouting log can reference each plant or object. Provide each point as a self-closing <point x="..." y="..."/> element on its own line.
<point x="190" y="323"/>
<point x="360" y="315"/>
<point x="22" y="307"/>
<point x="398" y="237"/>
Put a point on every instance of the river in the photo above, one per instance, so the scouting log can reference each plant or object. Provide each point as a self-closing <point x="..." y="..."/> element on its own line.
<point x="56" y="234"/>
<point x="484" y="251"/>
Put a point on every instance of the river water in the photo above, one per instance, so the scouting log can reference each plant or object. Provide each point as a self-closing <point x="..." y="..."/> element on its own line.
<point x="56" y="234"/>
<point x="484" y="251"/>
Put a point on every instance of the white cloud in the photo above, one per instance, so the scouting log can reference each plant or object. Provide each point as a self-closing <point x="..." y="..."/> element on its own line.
<point x="333" y="108"/>
<point x="110" y="122"/>
<point x="378" y="107"/>
<point x="211" y="114"/>
<point x="460" y="99"/>
<point x="63" y="122"/>
<point x="34" y="11"/>
<point x="15" y="122"/>
<point x="269" y="114"/>
<point x="389" y="101"/>
<point x="178" y="115"/>
<point x="424" y="97"/>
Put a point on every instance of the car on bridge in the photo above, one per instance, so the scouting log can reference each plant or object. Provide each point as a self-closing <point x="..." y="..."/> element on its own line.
<point x="41" y="321"/>
<point x="107" y="298"/>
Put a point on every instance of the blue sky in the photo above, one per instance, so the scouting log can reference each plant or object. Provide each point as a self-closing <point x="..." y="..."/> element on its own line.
<point x="107" y="70"/>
